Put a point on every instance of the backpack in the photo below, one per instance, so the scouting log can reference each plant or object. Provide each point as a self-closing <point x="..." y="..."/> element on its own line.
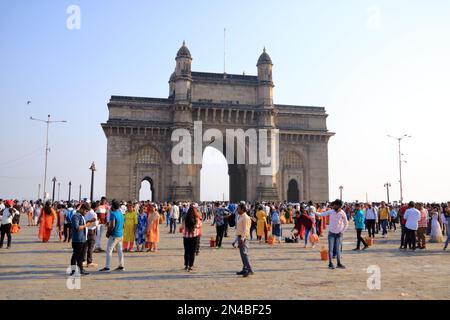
<point x="69" y="215"/>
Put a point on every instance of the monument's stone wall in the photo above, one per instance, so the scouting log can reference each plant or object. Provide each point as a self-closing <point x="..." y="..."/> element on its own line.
<point x="139" y="137"/>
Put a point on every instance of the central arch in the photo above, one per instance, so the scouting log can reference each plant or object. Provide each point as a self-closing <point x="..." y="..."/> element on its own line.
<point x="214" y="176"/>
<point x="237" y="171"/>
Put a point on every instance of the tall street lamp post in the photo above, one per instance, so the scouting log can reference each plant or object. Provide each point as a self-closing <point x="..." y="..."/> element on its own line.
<point x="387" y="185"/>
<point x="340" y="191"/>
<point x="70" y="189"/>
<point x="53" y="192"/>
<point x="79" y="195"/>
<point x="59" y="188"/>
<point x="48" y="121"/>
<point x="92" y="168"/>
<point x="399" y="139"/>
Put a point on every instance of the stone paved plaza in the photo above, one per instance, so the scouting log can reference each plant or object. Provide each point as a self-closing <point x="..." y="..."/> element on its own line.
<point x="33" y="270"/>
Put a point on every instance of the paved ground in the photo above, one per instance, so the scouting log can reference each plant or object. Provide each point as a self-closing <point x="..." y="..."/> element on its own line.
<point x="33" y="270"/>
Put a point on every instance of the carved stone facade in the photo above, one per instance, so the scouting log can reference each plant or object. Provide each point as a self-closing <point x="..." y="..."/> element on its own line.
<point x="139" y="131"/>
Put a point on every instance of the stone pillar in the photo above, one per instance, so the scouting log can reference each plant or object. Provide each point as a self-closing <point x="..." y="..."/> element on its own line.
<point x="118" y="165"/>
<point x="267" y="188"/>
<point x="318" y="171"/>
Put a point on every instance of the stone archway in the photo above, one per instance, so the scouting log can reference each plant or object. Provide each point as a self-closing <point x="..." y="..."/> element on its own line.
<point x="293" y="193"/>
<point x="148" y="168"/>
<point x="237" y="172"/>
<point x="293" y="168"/>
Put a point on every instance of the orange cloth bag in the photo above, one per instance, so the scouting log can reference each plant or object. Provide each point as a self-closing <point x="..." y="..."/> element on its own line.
<point x="324" y="254"/>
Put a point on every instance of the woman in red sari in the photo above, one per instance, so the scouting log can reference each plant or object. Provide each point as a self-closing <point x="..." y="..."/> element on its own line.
<point x="46" y="220"/>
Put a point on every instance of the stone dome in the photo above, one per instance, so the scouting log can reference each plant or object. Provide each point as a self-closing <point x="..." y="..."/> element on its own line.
<point x="172" y="76"/>
<point x="264" y="58"/>
<point x="184" y="52"/>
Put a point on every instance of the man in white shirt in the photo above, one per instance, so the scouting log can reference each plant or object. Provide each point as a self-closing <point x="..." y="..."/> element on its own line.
<point x="371" y="218"/>
<point x="377" y="222"/>
<point x="91" y="216"/>
<point x="2" y="205"/>
<point x="7" y="217"/>
<point x="37" y="212"/>
<point x="174" y="216"/>
<point x="412" y="217"/>
<point x="336" y="228"/>
<point x="102" y="218"/>
<point x="243" y="232"/>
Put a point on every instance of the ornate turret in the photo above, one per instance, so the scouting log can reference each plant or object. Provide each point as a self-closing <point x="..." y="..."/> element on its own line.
<point x="265" y="84"/>
<point x="183" y="77"/>
<point x="184" y="52"/>
<point x="264" y="58"/>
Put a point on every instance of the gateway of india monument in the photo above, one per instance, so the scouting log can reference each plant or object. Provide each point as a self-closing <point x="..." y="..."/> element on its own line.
<point x="139" y="131"/>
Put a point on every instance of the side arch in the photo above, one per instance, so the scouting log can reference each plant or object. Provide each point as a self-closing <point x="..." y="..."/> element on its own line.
<point x="148" y="167"/>
<point x="294" y="166"/>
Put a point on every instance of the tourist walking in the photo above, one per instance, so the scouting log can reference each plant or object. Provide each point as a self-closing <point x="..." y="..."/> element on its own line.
<point x="358" y="218"/>
<point x="199" y="216"/>
<point x="7" y="217"/>
<point x="174" y="216"/>
<point x="69" y="211"/>
<point x="254" y="225"/>
<point x="79" y="237"/>
<point x="337" y="226"/>
<point x="141" y="230"/>
<point x="37" y="212"/>
<point x="401" y="215"/>
<point x="219" y="221"/>
<point x="102" y="214"/>
<point x="261" y="224"/>
<point x="91" y="217"/>
<point x="115" y="237"/>
<point x="129" y="229"/>
<point x="371" y="218"/>
<point x="190" y="228"/>
<point x="47" y="219"/>
<point x="392" y="218"/>
<point x="61" y="215"/>
<point x="307" y="223"/>
<point x="448" y="229"/>
<point x="422" y="226"/>
<point x="443" y="220"/>
<point x="319" y="222"/>
<point x="436" y="230"/>
<point x="153" y="228"/>
<point x="412" y="217"/>
<point x="383" y="213"/>
<point x="29" y="211"/>
<point x="167" y="208"/>
<point x="243" y="232"/>
<point x="276" y="224"/>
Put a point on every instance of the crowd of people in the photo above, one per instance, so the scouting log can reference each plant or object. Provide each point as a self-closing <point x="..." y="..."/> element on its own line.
<point x="135" y="226"/>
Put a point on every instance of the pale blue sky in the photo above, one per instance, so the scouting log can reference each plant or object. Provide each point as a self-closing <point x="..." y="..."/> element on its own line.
<point x="375" y="74"/>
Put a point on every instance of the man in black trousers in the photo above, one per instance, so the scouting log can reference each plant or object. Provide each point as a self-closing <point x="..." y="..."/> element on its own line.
<point x="79" y="237"/>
